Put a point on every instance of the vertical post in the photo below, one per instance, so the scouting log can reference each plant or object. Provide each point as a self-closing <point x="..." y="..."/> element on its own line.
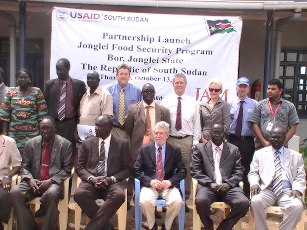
<point x="22" y="33"/>
<point x="268" y="50"/>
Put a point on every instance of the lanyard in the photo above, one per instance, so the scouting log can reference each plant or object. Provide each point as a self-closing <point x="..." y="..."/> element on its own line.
<point x="276" y="109"/>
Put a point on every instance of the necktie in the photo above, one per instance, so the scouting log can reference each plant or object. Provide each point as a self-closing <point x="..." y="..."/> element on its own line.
<point x="277" y="180"/>
<point x="217" y="158"/>
<point x="239" y="120"/>
<point x="121" y="108"/>
<point x="44" y="172"/>
<point x="178" y="116"/>
<point x="62" y="102"/>
<point x="101" y="164"/>
<point x="159" y="165"/>
<point x="146" y="138"/>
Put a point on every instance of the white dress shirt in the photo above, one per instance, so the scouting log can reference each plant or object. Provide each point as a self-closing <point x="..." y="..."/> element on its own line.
<point x="217" y="152"/>
<point x="189" y="114"/>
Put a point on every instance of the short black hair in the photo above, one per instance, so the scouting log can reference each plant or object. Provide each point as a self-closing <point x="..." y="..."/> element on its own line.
<point x="49" y="118"/>
<point x="276" y="82"/>
<point x="65" y="61"/>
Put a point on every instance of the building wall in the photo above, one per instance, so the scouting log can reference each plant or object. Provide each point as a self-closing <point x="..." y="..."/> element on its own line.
<point x="252" y="46"/>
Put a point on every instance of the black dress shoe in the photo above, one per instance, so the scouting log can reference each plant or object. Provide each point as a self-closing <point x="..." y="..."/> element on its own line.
<point x="155" y="227"/>
<point x="39" y="213"/>
<point x="157" y="214"/>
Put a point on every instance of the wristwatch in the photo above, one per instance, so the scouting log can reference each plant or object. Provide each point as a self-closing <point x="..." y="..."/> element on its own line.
<point x="113" y="179"/>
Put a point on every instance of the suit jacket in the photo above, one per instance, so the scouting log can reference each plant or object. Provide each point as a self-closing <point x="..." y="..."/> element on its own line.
<point x="52" y="91"/>
<point x="135" y="124"/>
<point x="262" y="169"/>
<point x="202" y="165"/>
<point x="119" y="159"/>
<point x="60" y="159"/>
<point x="145" y="165"/>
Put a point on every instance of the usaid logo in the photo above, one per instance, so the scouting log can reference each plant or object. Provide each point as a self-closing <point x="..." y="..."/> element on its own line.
<point x="62" y="15"/>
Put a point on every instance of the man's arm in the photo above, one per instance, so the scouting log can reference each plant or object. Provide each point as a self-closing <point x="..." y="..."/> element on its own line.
<point x="290" y="133"/>
<point x="237" y="171"/>
<point x="129" y="121"/>
<point x="257" y="131"/>
<point x="81" y="169"/>
<point x="25" y="171"/>
<point x="299" y="182"/>
<point x="126" y="163"/>
<point x="65" y="171"/>
<point x="139" y="172"/>
<point x="181" y="171"/>
<point x="196" y="167"/>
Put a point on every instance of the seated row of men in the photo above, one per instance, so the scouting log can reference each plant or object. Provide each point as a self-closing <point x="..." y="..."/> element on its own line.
<point x="104" y="163"/>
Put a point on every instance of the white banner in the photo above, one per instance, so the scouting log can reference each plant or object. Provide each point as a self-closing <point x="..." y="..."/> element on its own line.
<point x="156" y="46"/>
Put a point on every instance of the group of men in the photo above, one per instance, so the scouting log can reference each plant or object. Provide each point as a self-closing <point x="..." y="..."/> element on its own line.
<point x="159" y="145"/>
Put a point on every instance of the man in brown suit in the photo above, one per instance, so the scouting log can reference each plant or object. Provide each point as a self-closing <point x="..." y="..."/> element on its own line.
<point x="103" y="165"/>
<point x="139" y="124"/>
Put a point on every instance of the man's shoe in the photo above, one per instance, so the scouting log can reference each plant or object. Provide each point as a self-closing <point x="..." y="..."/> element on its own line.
<point x="163" y="227"/>
<point x="39" y="213"/>
<point x="155" y="227"/>
<point x="157" y="214"/>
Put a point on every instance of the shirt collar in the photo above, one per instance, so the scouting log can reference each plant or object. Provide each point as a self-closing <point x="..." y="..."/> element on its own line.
<point x="97" y="91"/>
<point x="107" y="140"/>
<point x="281" y="150"/>
<point x="214" y="146"/>
<point x="151" y="105"/>
<point x="157" y="146"/>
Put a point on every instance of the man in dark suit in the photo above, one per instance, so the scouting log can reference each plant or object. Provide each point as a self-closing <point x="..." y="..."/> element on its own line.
<point x="159" y="167"/>
<point x="46" y="163"/>
<point x="103" y="165"/>
<point x="216" y="165"/>
<point x="140" y="122"/>
<point x="63" y="96"/>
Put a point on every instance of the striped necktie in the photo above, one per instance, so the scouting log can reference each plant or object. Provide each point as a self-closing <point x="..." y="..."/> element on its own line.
<point x="121" y="108"/>
<point x="62" y="102"/>
<point x="277" y="180"/>
<point x="101" y="164"/>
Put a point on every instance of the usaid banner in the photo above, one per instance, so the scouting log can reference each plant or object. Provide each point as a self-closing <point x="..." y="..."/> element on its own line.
<point x="156" y="46"/>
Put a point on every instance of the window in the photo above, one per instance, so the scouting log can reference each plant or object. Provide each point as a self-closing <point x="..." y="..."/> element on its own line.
<point x="293" y="74"/>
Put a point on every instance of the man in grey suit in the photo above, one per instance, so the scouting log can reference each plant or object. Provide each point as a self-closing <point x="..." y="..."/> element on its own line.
<point x="277" y="176"/>
<point x="46" y="163"/>
<point x="216" y="165"/>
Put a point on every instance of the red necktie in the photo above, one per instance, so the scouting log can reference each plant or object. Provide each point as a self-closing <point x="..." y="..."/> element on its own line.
<point x="159" y="165"/>
<point x="178" y="117"/>
<point x="44" y="174"/>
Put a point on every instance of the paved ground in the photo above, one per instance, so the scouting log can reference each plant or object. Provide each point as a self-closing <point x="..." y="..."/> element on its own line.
<point x="273" y="220"/>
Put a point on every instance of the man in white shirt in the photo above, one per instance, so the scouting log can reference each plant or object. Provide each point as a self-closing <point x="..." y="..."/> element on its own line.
<point x="185" y="123"/>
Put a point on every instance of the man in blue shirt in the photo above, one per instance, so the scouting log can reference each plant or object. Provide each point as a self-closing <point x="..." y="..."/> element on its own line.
<point x="123" y="94"/>
<point x="240" y="132"/>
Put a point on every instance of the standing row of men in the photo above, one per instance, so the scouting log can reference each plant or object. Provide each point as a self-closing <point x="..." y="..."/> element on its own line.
<point x="102" y="175"/>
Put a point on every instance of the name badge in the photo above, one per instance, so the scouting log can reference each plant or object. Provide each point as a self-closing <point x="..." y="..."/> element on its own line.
<point x="270" y="126"/>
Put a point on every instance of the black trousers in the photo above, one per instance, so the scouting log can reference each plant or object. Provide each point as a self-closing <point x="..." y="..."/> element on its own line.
<point x="234" y="197"/>
<point x="85" y="196"/>
<point x="5" y="205"/>
<point x="246" y="146"/>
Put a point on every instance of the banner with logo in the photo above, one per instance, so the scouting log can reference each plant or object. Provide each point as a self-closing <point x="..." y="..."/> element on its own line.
<point x="156" y="46"/>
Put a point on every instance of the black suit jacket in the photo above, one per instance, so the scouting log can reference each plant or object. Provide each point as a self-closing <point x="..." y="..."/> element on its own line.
<point x="52" y="91"/>
<point x="145" y="165"/>
<point x="202" y="165"/>
<point x="119" y="159"/>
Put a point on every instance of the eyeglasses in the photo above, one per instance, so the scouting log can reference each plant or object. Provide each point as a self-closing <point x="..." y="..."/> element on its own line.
<point x="214" y="90"/>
